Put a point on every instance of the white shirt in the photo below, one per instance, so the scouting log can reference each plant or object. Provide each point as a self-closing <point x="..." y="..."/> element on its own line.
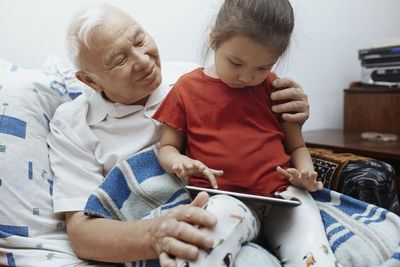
<point x="90" y="135"/>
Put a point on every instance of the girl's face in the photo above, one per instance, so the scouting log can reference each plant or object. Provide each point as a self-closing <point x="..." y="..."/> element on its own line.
<point x="240" y="61"/>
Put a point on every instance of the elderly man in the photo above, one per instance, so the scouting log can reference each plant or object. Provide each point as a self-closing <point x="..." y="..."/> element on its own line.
<point x="119" y="60"/>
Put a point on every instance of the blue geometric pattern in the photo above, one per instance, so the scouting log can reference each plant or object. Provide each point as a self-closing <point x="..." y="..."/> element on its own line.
<point x="10" y="259"/>
<point x="12" y="126"/>
<point x="30" y="170"/>
<point x="46" y="117"/>
<point x="10" y="230"/>
<point x="50" y="186"/>
<point x="145" y="165"/>
<point x="121" y="191"/>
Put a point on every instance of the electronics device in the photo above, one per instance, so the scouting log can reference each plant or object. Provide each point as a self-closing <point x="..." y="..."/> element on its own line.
<point x="378" y="57"/>
<point x="248" y="196"/>
<point x="388" y="76"/>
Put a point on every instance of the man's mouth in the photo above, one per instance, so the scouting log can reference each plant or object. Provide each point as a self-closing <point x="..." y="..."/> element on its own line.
<point x="148" y="75"/>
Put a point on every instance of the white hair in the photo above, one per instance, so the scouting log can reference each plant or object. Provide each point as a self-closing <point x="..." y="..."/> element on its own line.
<point x="82" y="28"/>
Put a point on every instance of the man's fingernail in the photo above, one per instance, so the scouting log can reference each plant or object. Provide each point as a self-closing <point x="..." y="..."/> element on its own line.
<point x="212" y="220"/>
<point x="193" y="252"/>
<point x="209" y="241"/>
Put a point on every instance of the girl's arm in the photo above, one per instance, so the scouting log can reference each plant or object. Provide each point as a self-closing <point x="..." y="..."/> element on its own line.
<point x="172" y="161"/>
<point x="303" y="174"/>
<point x="171" y="144"/>
<point x="296" y="148"/>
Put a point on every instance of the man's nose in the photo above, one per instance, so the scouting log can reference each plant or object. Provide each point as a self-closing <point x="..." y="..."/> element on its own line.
<point x="141" y="61"/>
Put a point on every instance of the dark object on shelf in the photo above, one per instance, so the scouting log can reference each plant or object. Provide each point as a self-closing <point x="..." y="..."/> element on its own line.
<point x="380" y="66"/>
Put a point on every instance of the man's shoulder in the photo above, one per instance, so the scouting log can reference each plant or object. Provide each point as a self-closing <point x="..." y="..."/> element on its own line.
<point x="70" y="110"/>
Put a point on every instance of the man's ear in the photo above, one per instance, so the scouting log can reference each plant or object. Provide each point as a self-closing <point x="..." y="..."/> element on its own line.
<point x="88" y="80"/>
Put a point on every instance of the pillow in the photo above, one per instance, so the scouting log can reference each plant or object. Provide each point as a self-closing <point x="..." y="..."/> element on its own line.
<point x="30" y="234"/>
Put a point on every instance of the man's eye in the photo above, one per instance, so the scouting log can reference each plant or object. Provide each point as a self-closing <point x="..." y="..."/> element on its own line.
<point x="139" y="43"/>
<point x="121" y="61"/>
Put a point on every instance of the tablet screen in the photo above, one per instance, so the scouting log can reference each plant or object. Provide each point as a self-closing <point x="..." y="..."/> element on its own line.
<point x="247" y="195"/>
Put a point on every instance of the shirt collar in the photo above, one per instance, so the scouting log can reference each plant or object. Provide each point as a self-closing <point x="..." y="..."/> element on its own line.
<point x="100" y="108"/>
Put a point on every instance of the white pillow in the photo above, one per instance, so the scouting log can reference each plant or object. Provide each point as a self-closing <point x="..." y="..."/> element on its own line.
<point x="30" y="234"/>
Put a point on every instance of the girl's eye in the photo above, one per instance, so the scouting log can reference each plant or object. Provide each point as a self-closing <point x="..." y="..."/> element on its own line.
<point x="235" y="64"/>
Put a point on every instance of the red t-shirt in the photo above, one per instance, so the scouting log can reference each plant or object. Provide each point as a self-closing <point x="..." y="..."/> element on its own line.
<point x="228" y="129"/>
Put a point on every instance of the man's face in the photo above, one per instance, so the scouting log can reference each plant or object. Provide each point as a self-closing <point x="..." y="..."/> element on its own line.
<point x="124" y="60"/>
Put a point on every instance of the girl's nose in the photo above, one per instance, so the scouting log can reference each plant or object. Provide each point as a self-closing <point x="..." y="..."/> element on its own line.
<point x="245" y="77"/>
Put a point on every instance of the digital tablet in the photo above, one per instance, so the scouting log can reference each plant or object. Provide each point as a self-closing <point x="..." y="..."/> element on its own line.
<point x="252" y="197"/>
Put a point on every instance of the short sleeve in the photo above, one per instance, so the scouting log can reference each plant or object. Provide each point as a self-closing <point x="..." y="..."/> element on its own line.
<point x="76" y="172"/>
<point x="172" y="109"/>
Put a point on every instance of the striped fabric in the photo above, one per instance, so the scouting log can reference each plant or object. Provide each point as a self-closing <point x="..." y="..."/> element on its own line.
<point x="360" y="234"/>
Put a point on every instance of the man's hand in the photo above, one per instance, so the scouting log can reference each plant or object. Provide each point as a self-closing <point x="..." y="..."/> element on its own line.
<point x="296" y="109"/>
<point x="184" y="166"/>
<point x="175" y="233"/>
<point x="303" y="179"/>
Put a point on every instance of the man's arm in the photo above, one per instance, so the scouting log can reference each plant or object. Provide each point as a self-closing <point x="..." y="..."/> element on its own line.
<point x="117" y="241"/>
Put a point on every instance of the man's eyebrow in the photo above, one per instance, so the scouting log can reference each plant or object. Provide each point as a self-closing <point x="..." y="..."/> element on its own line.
<point x="108" y="58"/>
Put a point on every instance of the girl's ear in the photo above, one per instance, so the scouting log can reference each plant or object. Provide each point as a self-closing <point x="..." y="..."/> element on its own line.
<point x="212" y="34"/>
<point x="88" y="80"/>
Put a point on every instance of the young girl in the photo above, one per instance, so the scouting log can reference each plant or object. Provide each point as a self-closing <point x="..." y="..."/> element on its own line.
<point x="222" y="116"/>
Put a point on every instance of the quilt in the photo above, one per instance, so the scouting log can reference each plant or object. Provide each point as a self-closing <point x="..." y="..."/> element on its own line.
<point x="359" y="233"/>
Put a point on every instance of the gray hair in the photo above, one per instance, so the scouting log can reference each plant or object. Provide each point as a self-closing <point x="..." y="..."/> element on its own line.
<point x="81" y="30"/>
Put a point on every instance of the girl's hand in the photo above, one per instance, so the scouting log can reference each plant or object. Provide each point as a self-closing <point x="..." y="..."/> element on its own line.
<point x="295" y="107"/>
<point x="184" y="166"/>
<point x="303" y="179"/>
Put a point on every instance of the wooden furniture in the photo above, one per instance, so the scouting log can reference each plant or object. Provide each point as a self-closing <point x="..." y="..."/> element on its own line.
<point x="372" y="109"/>
<point x="342" y="141"/>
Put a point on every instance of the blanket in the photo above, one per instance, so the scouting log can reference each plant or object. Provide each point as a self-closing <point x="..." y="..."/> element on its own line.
<point x="359" y="233"/>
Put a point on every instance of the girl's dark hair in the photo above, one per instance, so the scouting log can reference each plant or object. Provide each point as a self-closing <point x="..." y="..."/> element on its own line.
<point x="269" y="22"/>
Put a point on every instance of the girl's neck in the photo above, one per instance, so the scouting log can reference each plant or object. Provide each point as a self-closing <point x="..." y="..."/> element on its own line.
<point x="211" y="71"/>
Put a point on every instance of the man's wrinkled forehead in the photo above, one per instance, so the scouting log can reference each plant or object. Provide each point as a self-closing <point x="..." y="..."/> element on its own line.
<point x="113" y="30"/>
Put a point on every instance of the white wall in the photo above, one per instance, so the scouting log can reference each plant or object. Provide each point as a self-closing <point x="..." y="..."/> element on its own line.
<point x="322" y="58"/>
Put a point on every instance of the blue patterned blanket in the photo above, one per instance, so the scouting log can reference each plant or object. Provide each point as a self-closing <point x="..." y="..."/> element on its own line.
<point x="360" y="234"/>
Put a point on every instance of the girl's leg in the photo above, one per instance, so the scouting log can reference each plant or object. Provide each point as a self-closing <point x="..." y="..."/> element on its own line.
<point x="296" y="234"/>
<point x="236" y="224"/>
